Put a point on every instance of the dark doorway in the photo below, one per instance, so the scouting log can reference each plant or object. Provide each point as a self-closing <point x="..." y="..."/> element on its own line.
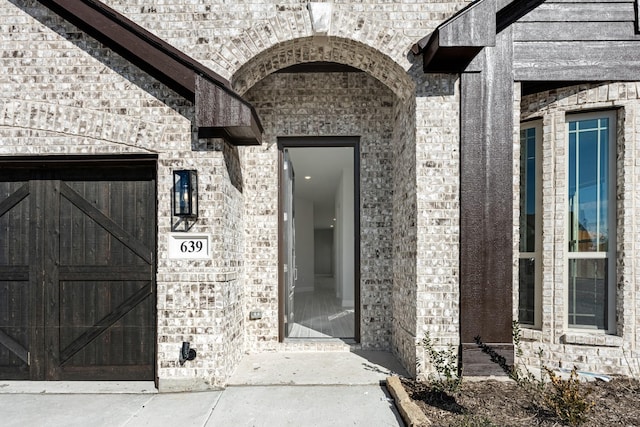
<point x="319" y="238"/>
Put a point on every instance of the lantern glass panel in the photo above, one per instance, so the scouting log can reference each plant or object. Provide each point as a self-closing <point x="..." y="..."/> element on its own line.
<point x="185" y="193"/>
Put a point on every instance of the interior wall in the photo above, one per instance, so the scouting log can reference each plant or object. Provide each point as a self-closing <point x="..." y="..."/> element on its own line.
<point x="323" y="252"/>
<point x="304" y="243"/>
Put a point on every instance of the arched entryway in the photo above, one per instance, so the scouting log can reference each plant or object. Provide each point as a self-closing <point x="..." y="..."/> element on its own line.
<point x="325" y="92"/>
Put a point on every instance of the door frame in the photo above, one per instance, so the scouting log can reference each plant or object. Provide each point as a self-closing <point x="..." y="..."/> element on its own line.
<point x="319" y="142"/>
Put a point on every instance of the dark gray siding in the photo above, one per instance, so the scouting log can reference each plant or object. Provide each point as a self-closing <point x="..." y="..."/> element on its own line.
<point x="571" y="40"/>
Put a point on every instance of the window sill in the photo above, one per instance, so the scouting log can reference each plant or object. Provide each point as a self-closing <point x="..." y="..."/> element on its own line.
<point x="592" y="339"/>
<point x="529" y="333"/>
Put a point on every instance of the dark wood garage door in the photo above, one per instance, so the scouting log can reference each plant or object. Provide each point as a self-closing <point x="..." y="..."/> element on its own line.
<point x="77" y="271"/>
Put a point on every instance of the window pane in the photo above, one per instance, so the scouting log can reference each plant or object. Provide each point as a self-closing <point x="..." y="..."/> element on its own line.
<point x="587" y="293"/>
<point x="588" y="185"/>
<point x="527" y="190"/>
<point x="527" y="291"/>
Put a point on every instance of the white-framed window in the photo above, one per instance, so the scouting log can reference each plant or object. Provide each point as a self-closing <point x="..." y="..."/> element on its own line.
<point x="530" y="225"/>
<point x="591" y="220"/>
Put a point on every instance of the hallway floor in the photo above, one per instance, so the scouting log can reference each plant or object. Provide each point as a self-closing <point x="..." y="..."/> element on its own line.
<point x="320" y="314"/>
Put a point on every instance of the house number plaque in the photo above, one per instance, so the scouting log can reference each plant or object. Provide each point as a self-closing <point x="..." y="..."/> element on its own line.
<point x="189" y="246"/>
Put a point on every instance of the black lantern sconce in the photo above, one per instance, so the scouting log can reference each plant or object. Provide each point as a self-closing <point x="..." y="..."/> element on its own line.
<point x="185" y="193"/>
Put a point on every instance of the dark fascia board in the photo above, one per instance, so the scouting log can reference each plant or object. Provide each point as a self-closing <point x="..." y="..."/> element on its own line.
<point x="458" y="40"/>
<point x="167" y="64"/>
<point x="446" y="59"/>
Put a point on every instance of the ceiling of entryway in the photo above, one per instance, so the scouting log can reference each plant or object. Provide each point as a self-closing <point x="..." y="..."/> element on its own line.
<point x="324" y="166"/>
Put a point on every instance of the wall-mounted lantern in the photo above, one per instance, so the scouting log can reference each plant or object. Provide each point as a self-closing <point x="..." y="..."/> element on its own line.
<point x="185" y="193"/>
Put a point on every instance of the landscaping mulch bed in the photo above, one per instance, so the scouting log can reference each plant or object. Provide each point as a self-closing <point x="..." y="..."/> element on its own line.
<point x="503" y="403"/>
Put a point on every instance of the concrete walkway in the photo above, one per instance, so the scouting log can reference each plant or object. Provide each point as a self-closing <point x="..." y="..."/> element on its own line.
<point x="272" y="389"/>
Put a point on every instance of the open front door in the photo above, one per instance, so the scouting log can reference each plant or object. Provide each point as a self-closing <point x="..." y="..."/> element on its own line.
<point x="289" y="247"/>
<point x="319" y="236"/>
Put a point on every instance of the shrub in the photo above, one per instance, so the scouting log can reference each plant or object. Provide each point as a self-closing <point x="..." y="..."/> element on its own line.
<point x="568" y="398"/>
<point x="445" y="362"/>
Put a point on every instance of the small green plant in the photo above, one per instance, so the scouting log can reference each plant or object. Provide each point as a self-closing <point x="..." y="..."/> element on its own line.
<point x="568" y="398"/>
<point x="445" y="362"/>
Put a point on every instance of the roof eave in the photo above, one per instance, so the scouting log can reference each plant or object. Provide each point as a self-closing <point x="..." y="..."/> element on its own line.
<point x="167" y="64"/>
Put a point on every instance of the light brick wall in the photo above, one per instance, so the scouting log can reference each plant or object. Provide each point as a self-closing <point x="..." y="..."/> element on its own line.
<point x="598" y="352"/>
<point x="226" y="35"/>
<point x="438" y="208"/>
<point x="61" y="92"/>
<point x="333" y="104"/>
<point x="405" y="231"/>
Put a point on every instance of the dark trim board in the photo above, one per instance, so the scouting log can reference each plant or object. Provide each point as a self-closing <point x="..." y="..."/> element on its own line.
<point x="281" y="255"/>
<point x="585" y="61"/>
<point x="319" y="67"/>
<point x="529" y="87"/>
<point x="71" y="162"/>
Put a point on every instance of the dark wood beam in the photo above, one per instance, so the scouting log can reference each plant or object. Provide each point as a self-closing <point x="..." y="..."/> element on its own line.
<point x="457" y="41"/>
<point x="514" y="11"/>
<point x="486" y="205"/>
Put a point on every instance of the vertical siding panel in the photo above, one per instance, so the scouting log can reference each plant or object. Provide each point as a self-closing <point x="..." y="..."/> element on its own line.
<point x="36" y="279"/>
<point x="14" y="294"/>
<point x="148" y="324"/>
<point x="51" y="257"/>
<point x="137" y="314"/>
<point x="116" y="207"/>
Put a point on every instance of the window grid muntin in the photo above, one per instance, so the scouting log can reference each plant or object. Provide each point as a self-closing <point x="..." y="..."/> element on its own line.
<point x="575" y="132"/>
